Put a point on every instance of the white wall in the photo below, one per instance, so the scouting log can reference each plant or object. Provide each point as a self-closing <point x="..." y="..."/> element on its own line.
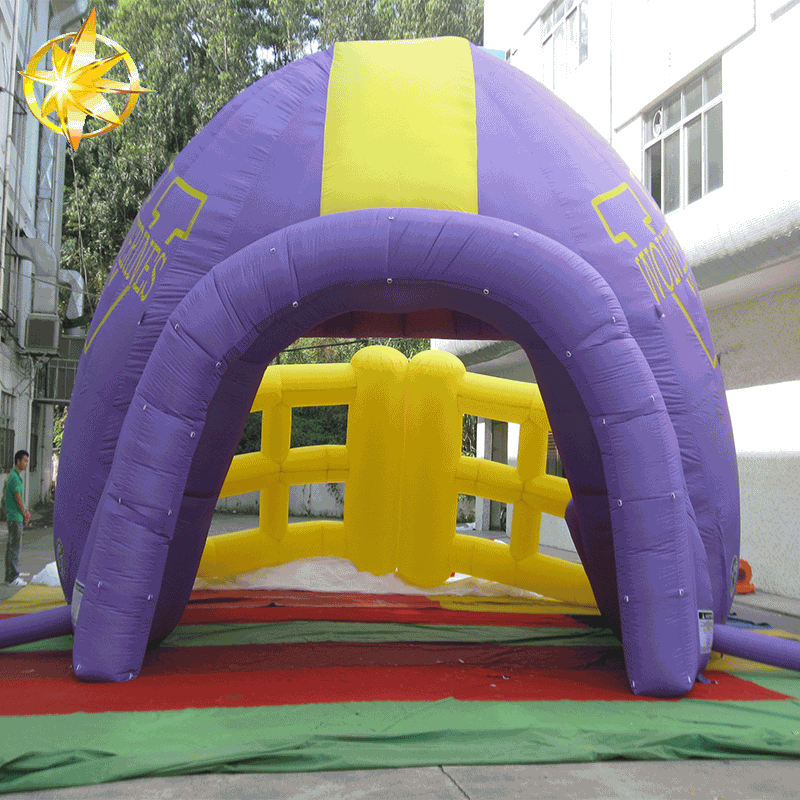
<point x="770" y="488"/>
<point x="658" y="44"/>
<point x="314" y="500"/>
<point x="758" y="339"/>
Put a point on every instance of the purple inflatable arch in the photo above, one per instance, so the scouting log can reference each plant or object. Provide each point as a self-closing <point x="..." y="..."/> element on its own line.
<point x="281" y="219"/>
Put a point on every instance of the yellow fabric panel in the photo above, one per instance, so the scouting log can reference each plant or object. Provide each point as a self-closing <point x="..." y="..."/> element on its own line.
<point x="33" y="597"/>
<point x="511" y="605"/>
<point x="400" y="128"/>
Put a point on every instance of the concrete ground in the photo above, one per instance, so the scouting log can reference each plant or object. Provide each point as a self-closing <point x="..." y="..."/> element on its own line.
<point x="689" y="780"/>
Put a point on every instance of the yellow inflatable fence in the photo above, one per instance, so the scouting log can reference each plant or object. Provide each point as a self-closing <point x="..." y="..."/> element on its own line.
<point x="403" y="471"/>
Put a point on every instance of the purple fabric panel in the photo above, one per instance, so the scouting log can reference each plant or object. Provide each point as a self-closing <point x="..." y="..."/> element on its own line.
<point x="289" y="185"/>
<point x="120" y="597"/>
<point x="180" y="568"/>
<point x="457" y="272"/>
<point x="597" y="553"/>
<point x="657" y="595"/>
<point x="222" y="431"/>
<point x="33" y="627"/>
<point x="754" y="646"/>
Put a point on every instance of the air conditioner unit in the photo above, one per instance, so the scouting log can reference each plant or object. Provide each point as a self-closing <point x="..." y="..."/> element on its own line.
<point x="42" y="333"/>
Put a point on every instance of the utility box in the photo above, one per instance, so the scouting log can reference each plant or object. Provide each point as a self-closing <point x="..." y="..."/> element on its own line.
<point x="42" y="333"/>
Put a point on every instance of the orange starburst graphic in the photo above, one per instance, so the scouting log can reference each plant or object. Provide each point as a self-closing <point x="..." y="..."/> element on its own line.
<point x="77" y="86"/>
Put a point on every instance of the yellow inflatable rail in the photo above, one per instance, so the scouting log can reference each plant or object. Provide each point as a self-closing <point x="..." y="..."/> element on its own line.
<point x="403" y="471"/>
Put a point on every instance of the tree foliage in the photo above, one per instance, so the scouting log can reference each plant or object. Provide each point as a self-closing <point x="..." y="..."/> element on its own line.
<point x="350" y="20"/>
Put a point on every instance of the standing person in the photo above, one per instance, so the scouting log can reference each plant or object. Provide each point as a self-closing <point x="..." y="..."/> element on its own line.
<point x="17" y="516"/>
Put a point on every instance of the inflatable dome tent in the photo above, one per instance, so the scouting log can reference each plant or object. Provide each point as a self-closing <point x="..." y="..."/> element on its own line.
<point x="414" y="188"/>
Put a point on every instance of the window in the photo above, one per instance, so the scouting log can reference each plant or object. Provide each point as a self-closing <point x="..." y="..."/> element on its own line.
<point x="19" y="112"/>
<point x="10" y="275"/>
<point x="553" y="465"/>
<point x="6" y="432"/>
<point x="683" y="143"/>
<point x="36" y="421"/>
<point x="565" y="40"/>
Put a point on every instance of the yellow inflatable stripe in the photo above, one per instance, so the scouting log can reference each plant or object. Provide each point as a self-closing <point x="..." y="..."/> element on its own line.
<point x="510" y="605"/>
<point x="34" y="597"/>
<point x="400" y="128"/>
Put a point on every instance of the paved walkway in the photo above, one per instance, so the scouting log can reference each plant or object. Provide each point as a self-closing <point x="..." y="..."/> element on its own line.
<point x="698" y="780"/>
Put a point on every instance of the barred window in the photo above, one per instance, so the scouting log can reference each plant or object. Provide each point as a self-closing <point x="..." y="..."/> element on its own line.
<point x="683" y="142"/>
<point x="10" y="277"/>
<point x="19" y="113"/>
<point x="6" y="431"/>
<point x="36" y="420"/>
<point x="554" y="465"/>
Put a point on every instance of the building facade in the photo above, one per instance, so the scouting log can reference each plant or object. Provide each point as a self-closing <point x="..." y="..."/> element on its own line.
<point x="37" y="357"/>
<point x="695" y="98"/>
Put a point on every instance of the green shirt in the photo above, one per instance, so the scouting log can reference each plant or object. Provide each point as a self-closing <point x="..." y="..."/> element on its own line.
<point x="14" y="485"/>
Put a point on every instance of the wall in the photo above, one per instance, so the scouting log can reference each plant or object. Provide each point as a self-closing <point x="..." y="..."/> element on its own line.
<point x="314" y="500"/>
<point x="770" y="488"/>
<point x="758" y="339"/>
<point x="658" y="44"/>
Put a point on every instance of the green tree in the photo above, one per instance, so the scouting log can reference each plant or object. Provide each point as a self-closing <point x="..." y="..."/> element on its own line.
<point x="59" y="420"/>
<point x="351" y="20"/>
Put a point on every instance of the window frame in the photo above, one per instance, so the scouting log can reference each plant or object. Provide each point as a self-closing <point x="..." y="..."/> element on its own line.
<point x="7" y="432"/>
<point x="574" y="18"/>
<point x="659" y="126"/>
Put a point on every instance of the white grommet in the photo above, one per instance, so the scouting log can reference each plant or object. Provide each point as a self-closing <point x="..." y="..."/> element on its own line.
<point x="652" y="397"/>
<point x="191" y="435"/>
<point x="295" y="304"/>
<point x="486" y="291"/>
<point x="569" y="354"/>
<point x="681" y="592"/>
<point x="169" y="512"/>
<point x="626" y="598"/>
<point x="99" y="584"/>
<point x="176" y="326"/>
<point x="388" y="280"/>
<point x="149" y="597"/>
<point x="120" y="500"/>
<point x="604" y="422"/>
<point x="619" y="502"/>
<point x="272" y="249"/>
<point x="516" y="234"/>
<point x="613" y="319"/>
<point x="218" y="364"/>
<point x="673" y="495"/>
<point x="144" y="407"/>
